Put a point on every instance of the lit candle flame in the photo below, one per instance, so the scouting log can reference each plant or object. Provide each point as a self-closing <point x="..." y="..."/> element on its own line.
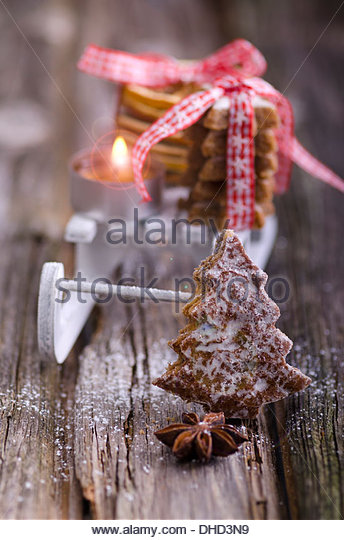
<point x="119" y="153"/>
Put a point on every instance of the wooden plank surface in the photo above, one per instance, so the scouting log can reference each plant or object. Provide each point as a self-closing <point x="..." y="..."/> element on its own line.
<point x="77" y="440"/>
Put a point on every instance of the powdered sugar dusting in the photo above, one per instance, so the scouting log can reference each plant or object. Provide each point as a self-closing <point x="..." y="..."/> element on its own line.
<point x="231" y="356"/>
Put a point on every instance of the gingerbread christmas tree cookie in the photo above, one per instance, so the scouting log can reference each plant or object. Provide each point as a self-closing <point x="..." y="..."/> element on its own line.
<point x="231" y="356"/>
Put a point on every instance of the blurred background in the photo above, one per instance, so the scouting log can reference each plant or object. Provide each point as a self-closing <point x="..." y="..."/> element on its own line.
<point x="48" y="109"/>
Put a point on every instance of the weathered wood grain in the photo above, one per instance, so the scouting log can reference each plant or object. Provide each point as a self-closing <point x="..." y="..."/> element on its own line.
<point x="122" y="469"/>
<point x="77" y="441"/>
<point x="36" y="448"/>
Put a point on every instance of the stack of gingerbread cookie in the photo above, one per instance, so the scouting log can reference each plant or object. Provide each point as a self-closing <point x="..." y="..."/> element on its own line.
<point x="196" y="158"/>
<point x="139" y="107"/>
<point x="206" y="171"/>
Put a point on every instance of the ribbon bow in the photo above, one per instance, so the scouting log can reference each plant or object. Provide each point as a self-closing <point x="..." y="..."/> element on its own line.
<point x="231" y="71"/>
<point x="155" y="70"/>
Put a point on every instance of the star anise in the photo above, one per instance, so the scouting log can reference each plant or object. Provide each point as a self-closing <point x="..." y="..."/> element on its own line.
<point x="201" y="439"/>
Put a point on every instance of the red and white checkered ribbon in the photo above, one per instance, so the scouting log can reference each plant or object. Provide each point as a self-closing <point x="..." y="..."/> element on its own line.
<point x="240" y="87"/>
<point x="155" y="70"/>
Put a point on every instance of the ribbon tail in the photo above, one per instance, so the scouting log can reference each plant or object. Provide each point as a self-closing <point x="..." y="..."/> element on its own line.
<point x="290" y="150"/>
<point x="310" y="164"/>
<point x="177" y="118"/>
<point x="240" y="165"/>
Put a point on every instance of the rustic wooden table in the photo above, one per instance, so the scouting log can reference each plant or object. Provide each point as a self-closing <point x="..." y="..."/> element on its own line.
<point x="76" y="440"/>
